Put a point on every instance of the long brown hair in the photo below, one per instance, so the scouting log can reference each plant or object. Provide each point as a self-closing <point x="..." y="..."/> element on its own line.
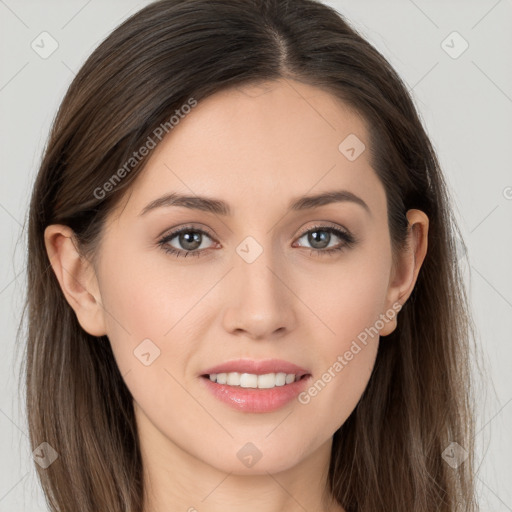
<point x="388" y="454"/>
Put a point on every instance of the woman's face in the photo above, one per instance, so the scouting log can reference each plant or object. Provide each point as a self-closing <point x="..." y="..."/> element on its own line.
<point x="254" y="279"/>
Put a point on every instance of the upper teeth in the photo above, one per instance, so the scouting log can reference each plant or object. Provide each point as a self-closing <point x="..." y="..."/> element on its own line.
<point x="250" y="380"/>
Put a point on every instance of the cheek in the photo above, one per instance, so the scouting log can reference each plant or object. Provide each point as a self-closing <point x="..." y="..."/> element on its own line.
<point x="348" y="296"/>
<point x="345" y="366"/>
<point x="147" y="312"/>
<point x="350" y="309"/>
<point x="142" y="302"/>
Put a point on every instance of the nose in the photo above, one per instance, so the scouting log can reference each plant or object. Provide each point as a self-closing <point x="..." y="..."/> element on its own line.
<point x="261" y="303"/>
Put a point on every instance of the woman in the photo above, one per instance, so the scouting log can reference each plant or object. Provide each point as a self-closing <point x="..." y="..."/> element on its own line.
<point x="243" y="286"/>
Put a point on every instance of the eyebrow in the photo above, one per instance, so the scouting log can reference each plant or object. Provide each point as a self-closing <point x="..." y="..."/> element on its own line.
<point x="219" y="207"/>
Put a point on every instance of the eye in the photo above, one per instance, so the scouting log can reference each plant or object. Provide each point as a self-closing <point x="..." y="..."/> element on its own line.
<point x="190" y="241"/>
<point x="321" y="236"/>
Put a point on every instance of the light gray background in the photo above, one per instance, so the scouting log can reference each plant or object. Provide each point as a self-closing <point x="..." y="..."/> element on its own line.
<point x="465" y="103"/>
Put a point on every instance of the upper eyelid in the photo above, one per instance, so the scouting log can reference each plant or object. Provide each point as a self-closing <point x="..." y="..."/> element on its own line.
<point x="318" y="225"/>
<point x="326" y="225"/>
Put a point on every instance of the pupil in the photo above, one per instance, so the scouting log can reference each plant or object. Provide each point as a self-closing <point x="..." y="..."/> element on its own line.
<point x="190" y="240"/>
<point x="324" y="238"/>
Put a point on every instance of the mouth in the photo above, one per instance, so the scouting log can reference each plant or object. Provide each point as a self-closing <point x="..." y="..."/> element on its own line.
<point x="256" y="386"/>
<point x="255" y="381"/>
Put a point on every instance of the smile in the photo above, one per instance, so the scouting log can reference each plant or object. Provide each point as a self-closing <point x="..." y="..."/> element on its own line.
<point x="251" y="380"/>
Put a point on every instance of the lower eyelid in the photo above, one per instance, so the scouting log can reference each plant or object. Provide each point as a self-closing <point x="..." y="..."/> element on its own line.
<point x="346" y="239"/>
<point x="164" y="241"/>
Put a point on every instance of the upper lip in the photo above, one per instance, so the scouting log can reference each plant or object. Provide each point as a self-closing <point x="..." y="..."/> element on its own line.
<point x="257" y="367"/>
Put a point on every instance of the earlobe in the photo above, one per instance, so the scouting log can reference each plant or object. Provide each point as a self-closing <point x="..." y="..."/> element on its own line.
<point x="76" y="277"/>
<point x="390" y="325"/>
<point x="408" y="266"/>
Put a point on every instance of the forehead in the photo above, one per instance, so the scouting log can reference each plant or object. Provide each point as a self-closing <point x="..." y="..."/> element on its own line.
<point x="276" y="140"/>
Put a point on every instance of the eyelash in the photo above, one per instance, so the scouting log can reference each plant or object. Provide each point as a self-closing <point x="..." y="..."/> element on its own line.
<point x="348" y="239"/>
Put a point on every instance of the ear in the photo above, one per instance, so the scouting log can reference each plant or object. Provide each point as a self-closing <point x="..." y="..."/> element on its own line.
<point x="76" y="277"/>
<point x="407" y="267"/>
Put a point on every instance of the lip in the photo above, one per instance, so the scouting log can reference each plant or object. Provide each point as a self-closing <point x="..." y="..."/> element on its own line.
<point x="257" y="367"/>
<point x="251" y="399"/>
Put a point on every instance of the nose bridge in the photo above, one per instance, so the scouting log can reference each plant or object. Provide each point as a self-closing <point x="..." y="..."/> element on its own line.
<point x="261" y="303"/>
<point x="255" y="270"/>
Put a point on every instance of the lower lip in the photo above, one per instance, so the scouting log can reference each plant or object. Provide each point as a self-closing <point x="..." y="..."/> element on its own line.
<point x="254" y="399"/>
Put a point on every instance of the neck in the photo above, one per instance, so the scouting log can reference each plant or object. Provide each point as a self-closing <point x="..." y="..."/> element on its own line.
<point x="177" y="480"/>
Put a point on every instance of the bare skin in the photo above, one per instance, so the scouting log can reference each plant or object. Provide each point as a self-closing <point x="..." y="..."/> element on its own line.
<point x="257" y="150"/>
